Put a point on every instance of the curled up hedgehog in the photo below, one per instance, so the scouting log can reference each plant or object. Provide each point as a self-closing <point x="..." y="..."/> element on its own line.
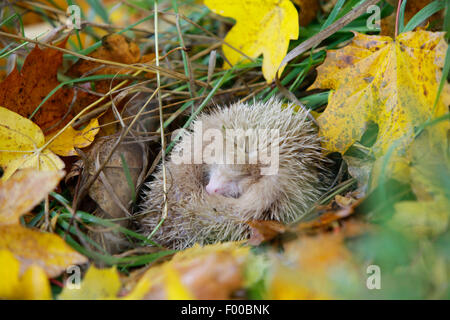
<point x="259" y="161"/>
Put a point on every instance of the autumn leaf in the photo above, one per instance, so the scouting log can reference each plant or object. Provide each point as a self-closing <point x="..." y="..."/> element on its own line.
<point x="98" y="284"/>
<point x="209" y="272"/>
<point x="311" y="267"/>
<point x="22" y="146"/>
<point x="308" y="10"/>
<point x="23" y="191"/>
<point x="46" y="250"/>
<point x="30" y="247"/>
<point x="23" y="91"/>
<point x="285" y="285"/>
<point x="174" y="287"/>
<point x="340" y="208"/>
<point x="391" y="83"/>
<point x="66" y="142"/>
<point x="117" y="48"/>
<point x="411" y="8"/>
<point x="31" y="285"/>
<point x="262" y="230"/>
<point x="262" y="27"/>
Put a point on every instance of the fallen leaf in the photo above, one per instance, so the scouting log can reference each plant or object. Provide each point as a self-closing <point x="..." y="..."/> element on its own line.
<point x="98" y="284"/>
<point x="310" y="266"/>
<point x="117" y="48"/>
<point x="23" y="91"/>
<point x="23" y="191"/>
<point x="111" y="191"/>
<point x="264" y="230"/>
<point x="308" y="10"/>
<point x="31" y="285"/>
<point x="174" y="287"/>
<point x="47" y="250"/>
<point x="392" y="83"/>
<point x="262" y="27"/>
<point x="338" y="209"/>
<point x="412" y="7"/>
<point x="21" y="146"/>
<point x="285" y="285"/>
<point x="210" y="272"/>
<point x="69" y="139"/>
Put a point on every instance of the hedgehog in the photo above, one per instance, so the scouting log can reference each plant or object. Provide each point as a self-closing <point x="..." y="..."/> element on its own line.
<point x="248" y="161"/>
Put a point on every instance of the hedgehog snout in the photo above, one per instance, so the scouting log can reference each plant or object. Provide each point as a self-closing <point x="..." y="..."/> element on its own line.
<point x="220" y="185"/>
<point x="226" y="189"/>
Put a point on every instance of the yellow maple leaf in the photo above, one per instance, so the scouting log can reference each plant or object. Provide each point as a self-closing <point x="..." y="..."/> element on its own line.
<point x="21" y="145"/>
<point x="69" y="139"/>
<point x="32" y="285"/>
<point x="98" y="284"/>
<point x="392" y="83"/>
<point x="262" y="27"/>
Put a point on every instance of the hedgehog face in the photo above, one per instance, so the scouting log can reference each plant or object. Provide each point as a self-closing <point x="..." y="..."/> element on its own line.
<point x="230" y="180"/>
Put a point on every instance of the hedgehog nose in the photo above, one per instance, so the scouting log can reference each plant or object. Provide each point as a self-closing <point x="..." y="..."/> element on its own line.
<point x="211" y="189"/>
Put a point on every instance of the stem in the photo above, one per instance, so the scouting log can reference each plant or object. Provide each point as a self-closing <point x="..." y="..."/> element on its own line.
<point x="161" y="123"/>
<point x="397" y="16"/>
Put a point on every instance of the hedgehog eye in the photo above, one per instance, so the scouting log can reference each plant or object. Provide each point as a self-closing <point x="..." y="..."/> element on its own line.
<point x="206" y="176"/>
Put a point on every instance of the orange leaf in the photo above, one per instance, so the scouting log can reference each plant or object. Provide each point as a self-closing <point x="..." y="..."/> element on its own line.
<point x="308" y="10"/>
<point x="262" y="230"/>
<point x="117" y="48"/>
<point x="23" y="91"/>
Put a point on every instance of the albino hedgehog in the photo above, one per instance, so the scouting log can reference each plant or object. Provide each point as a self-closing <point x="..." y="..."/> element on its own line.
<point x="212" y="199"/>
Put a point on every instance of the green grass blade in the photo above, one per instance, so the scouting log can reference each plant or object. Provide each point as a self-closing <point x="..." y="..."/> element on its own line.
<point x="424" y="14"/>
<point x="401" y="17"/>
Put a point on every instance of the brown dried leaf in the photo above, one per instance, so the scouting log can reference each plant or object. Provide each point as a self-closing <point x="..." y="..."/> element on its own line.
<point x="117" y="48"/>
<point x="23" y="91"/>
<point x="308" y="10"/>
<point x="340" y="208"/>
<point x="412" y="7"/>
<point x="263" y="230"/>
